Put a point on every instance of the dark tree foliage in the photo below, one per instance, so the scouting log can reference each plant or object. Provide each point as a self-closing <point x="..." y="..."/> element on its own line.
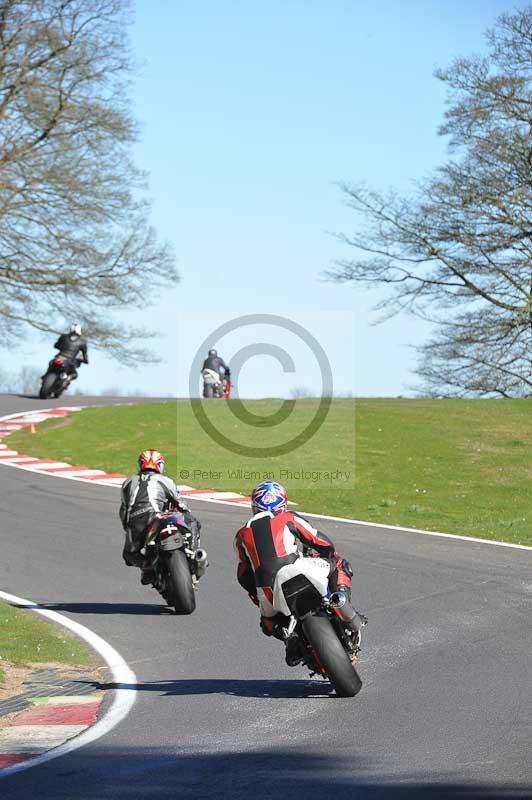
<point x="459" y="252"/>
<point x="75" y="242"/>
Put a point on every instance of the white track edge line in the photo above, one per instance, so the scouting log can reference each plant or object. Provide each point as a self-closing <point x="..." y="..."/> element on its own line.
<point x="123" y="676"/>
<point x="347" y="520"/>
<point x="381" y="525"/>
<point x="366" y="523"/>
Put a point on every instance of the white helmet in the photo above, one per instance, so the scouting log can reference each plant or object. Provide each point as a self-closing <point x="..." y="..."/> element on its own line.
<point x="75" y="329"/>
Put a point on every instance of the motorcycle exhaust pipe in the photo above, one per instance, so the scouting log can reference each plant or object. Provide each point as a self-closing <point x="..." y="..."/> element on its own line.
<point x="200" y="562"/>
<point x="346" y="612"/>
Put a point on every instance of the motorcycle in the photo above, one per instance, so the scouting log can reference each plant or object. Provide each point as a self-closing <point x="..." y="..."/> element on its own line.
<point x="326" y="626"/>
<point x="58" y="376"/>
<point x="172" y="563"/>
<point x="214" y="385"/>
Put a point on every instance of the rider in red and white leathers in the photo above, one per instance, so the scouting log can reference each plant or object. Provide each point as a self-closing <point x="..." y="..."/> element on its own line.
<point x="268" y="542"/>
<point x="273" y="539"/>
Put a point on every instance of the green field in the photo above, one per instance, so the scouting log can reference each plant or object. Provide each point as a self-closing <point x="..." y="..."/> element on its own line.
<point x="26" y="638"/>
<point x="461" y="466"/>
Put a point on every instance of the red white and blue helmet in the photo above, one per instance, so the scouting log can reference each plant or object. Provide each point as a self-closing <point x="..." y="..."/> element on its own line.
<point x="269" y="496"/>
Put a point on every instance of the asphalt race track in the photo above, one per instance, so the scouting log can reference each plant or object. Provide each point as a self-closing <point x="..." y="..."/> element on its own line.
<point x="445" y="710"/>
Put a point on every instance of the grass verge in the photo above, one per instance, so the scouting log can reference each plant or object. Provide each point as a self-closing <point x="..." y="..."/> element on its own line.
<point x="461" y="466"/>
<point x="27" y="639"/>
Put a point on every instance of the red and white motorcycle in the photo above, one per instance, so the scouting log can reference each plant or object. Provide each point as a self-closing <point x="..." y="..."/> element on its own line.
<point x="214" y="385"/>
<point x="323" y="626"/>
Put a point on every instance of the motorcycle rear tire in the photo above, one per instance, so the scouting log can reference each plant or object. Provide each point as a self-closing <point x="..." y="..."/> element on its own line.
<point x="47" y="385"/>
<point x="208" y="390"/>
<point x="332" y="656"/>
<point x="180" y="589"/>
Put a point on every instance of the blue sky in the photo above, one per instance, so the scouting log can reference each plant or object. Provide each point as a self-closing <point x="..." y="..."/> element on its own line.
<point x="250" y="114"/>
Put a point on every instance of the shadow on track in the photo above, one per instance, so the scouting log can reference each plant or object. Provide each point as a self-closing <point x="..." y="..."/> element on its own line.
<point x="141" y="609"/>
<point x="288" y="689"/>
<point x="239" y="772"/>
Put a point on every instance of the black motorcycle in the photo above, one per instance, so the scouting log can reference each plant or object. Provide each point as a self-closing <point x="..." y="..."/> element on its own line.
<point x="58" y="377"/>
<point x="326" y="631"/>
<point x="172" y="563"/>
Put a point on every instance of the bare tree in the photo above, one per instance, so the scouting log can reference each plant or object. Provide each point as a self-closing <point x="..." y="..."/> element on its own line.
<point x="25" y="381"/>
<point x="6" y="380"/>
<point x="299" y="392"/>
<point x="75" y="241"/>
<point x="458" y="252"/>
<point x="29" y="380"/>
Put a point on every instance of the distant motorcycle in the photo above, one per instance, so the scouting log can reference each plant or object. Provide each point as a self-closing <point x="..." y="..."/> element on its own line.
<point x="173" y="565"/>
<point x="214" y="385"/>
<point x="326" y="624"/>
<point x="58" y="377"/>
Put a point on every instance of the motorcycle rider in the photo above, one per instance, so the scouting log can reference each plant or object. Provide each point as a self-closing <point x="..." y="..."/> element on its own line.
<point x="215" y="363"/>
<point x="271" y="539"/>
<point x="144" y="497"/>
<point x="69" y="345"/>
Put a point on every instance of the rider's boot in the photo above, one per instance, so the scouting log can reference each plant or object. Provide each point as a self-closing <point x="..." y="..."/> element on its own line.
<point x="132" y="558"/>
<point x="294" y="651"/>
<point x="274" y="626"/>
<point x="147" y="576"/>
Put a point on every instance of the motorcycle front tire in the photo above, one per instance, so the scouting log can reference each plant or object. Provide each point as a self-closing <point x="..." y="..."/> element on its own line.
<point x="332" y="656"/>
<point x="180" y="589"/>
<point x="47" y="385"/>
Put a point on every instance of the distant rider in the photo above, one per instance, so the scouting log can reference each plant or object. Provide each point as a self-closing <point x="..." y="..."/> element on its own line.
<point x="144" y="496"/>
<point x="69" y="345"/>
<point x="272" y="538"/>
<point x="217" y="366"/>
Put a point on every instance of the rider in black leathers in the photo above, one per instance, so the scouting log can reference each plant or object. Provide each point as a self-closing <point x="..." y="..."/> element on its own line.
<point x="145" y="496"/>
<point x="69" y="345"/>
<point x="217" y="364"/>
